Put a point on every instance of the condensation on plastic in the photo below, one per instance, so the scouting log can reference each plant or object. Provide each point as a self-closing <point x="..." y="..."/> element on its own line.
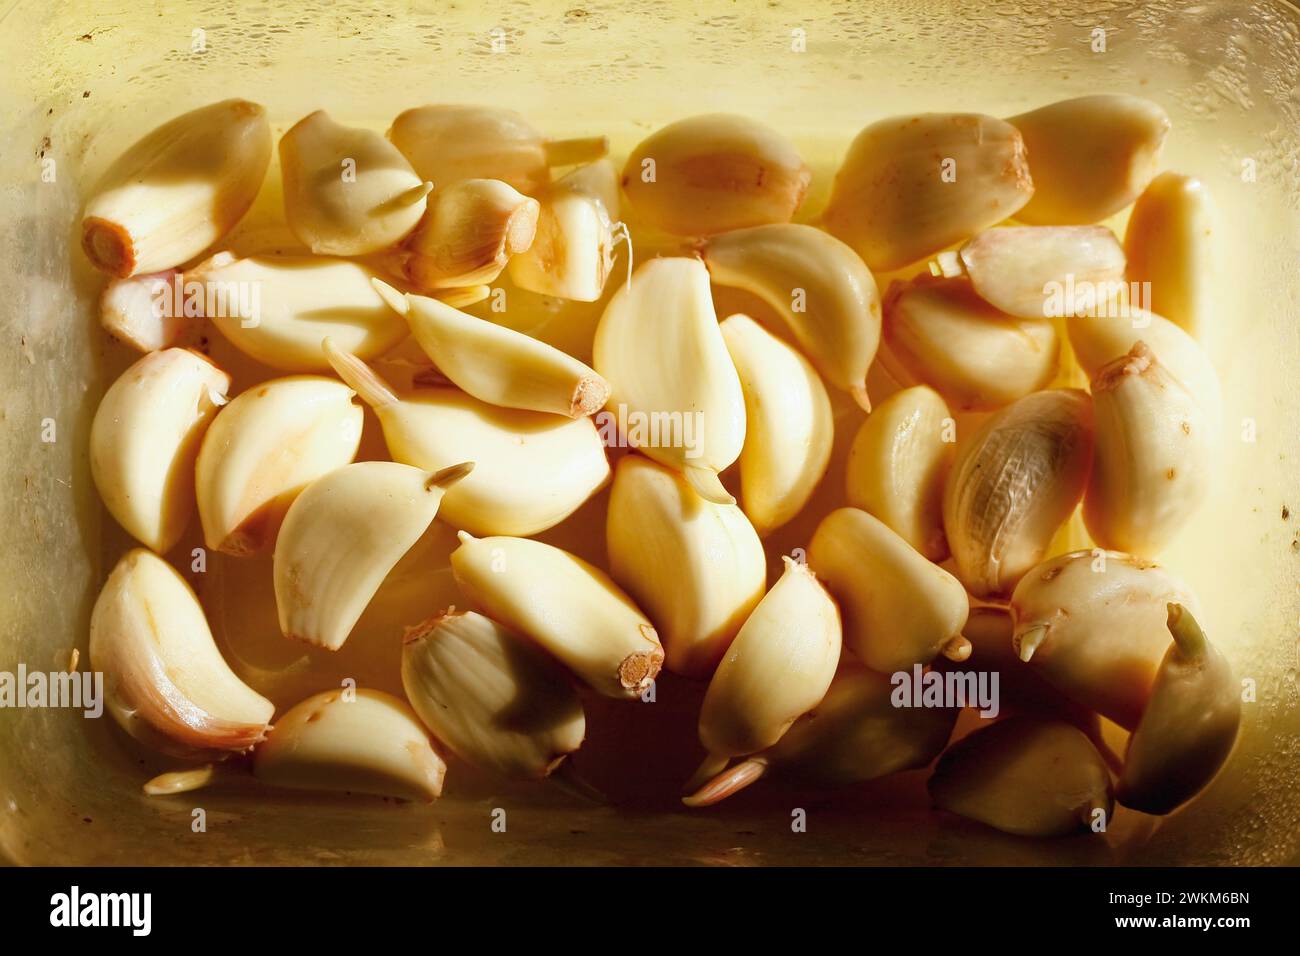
<point x="79" y="84"/>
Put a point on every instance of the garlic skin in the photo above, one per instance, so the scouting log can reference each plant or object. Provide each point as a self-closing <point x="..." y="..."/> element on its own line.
<point x="696" y="567"/>
<point x="165" y="682"/>
<point x="777" y="669"/>
<point x="490" y="696"/>
<point x="361" y="741"/>
<point x="1013" y="484"/>
<point x="571" y="609"/>
<point x="1090" y="156"/>
<point x="263" y="449"/>
<point x="897" y="466"/>
<point x="129" y="312"/>
<point x="178" y="190"/>
<point x="145" y="438"/>
<point x="897" y="198"/>
<point x="823" y="292"/>
<point x="899" y="608"/>
<point x="714" y="173"/>
<point x="332" y="216"/>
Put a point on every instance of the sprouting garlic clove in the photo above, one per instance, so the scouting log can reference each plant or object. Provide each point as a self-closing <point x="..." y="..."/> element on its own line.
<point x="1189" y="726"/>
<point x="672" y="381"/>
<point x="371" y="210"/>
<point x="822" y="291"/>
<point x="1013" y="484"/>
<point x="899" y="608"/>
<point x="789" y="428"/>
<point x="697" y="567"/>
<point x="570" y="608"/>
<point x="1151" y="467"/>
<point x="490" y="696"/>
<point x="433" y="428"/>
<point x="145" y="438"/>
<point x="277" y="309"/>
<point x="912" y="185"/>
<point x="778" y="667"/>
<point x="496" y="364"/>
<point x="165" y="682"/>
<point x="342" y="536"/>
<point x="714" y="173"/>
<point x="178" y="190"/>
<point x="136" y="311"/>
<point x="1090" y="156"/>
<point x="1093" y="624"/>
<point x="897" y="465"/>
<point x="263" y="449"/>
<point x="355" y="741"/>
<point x="1026" y="776"/>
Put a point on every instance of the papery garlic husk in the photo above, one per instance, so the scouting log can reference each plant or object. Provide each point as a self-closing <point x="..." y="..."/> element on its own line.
<point x="912" y="185"/>
<point x="1093" y="624"/>
<point x="263" y="449"/>
<point x="1026" y="776"/>
<point x="145" y="438"/>
<point x="371" y="210"/>
<point x="165" y="682"/>
<point x="823" y="292"/>
<point x="137" y="311"/>
<point x="897" y="465"/>
<point x="1090" y="156"/>
<point x="342" y="536"/>
<point x="1013" y="484"/>
<point x="789" y="427"/>
<point x="697" y="567"/>
<point x="355" y="741"/>
<point x="178" y="190"/>
<point x="531" y="469"/>
<point x="659" y="346"/>
<point x="491" y="696"/>
<point x="899" y="608"/>
<point x="567" y="606"/>
<point x="776" y="670"/>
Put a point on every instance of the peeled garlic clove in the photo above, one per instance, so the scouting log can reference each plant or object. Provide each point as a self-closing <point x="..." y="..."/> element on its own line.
<point x="138" y="311"/>
<point x="899" y="609"/>
<point x="714" y="173"/>
<point x="165" y="682"/>
<point x="496" y="364"/>
<point x="469" y="233"/>
<point x="1013" y="484"/>
<point x="178" y="190"/>
<point x="570" y="608"/>
<point x="1152" y="463"/>
<point x="145" y="438"/>
<point x="263" y="449"/>
<point x="1039" y="272"/>
<point x="356" y="741"/>
<point x="373" y="209"/>
<point x="1026" y="776"/>
<point x="696" y="567"/>
<point x="572" y="251"/>
<point x="897" y="465"/>
<point x="911" y="185"/>
<point x="1090" y="156"/>
<point x="1171" y="244"/>
<point x="777" y="669"/>
<point x="819" y="287"/>
<point x="675" y="388"/>
<point x="342" y="536"/>
<point x="789" y="429"/>
<point x="941" y="333"/>
<point x="1189" y="726"/>
<point x="450" y="143"/>
<point x="531" y="469"/>
<point x="277" y="309"/>
<point x="490" y="696"/>
<point x="1093" y="624"/>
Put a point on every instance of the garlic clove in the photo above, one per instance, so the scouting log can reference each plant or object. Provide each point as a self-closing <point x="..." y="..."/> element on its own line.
<point x="138" y="311"/>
